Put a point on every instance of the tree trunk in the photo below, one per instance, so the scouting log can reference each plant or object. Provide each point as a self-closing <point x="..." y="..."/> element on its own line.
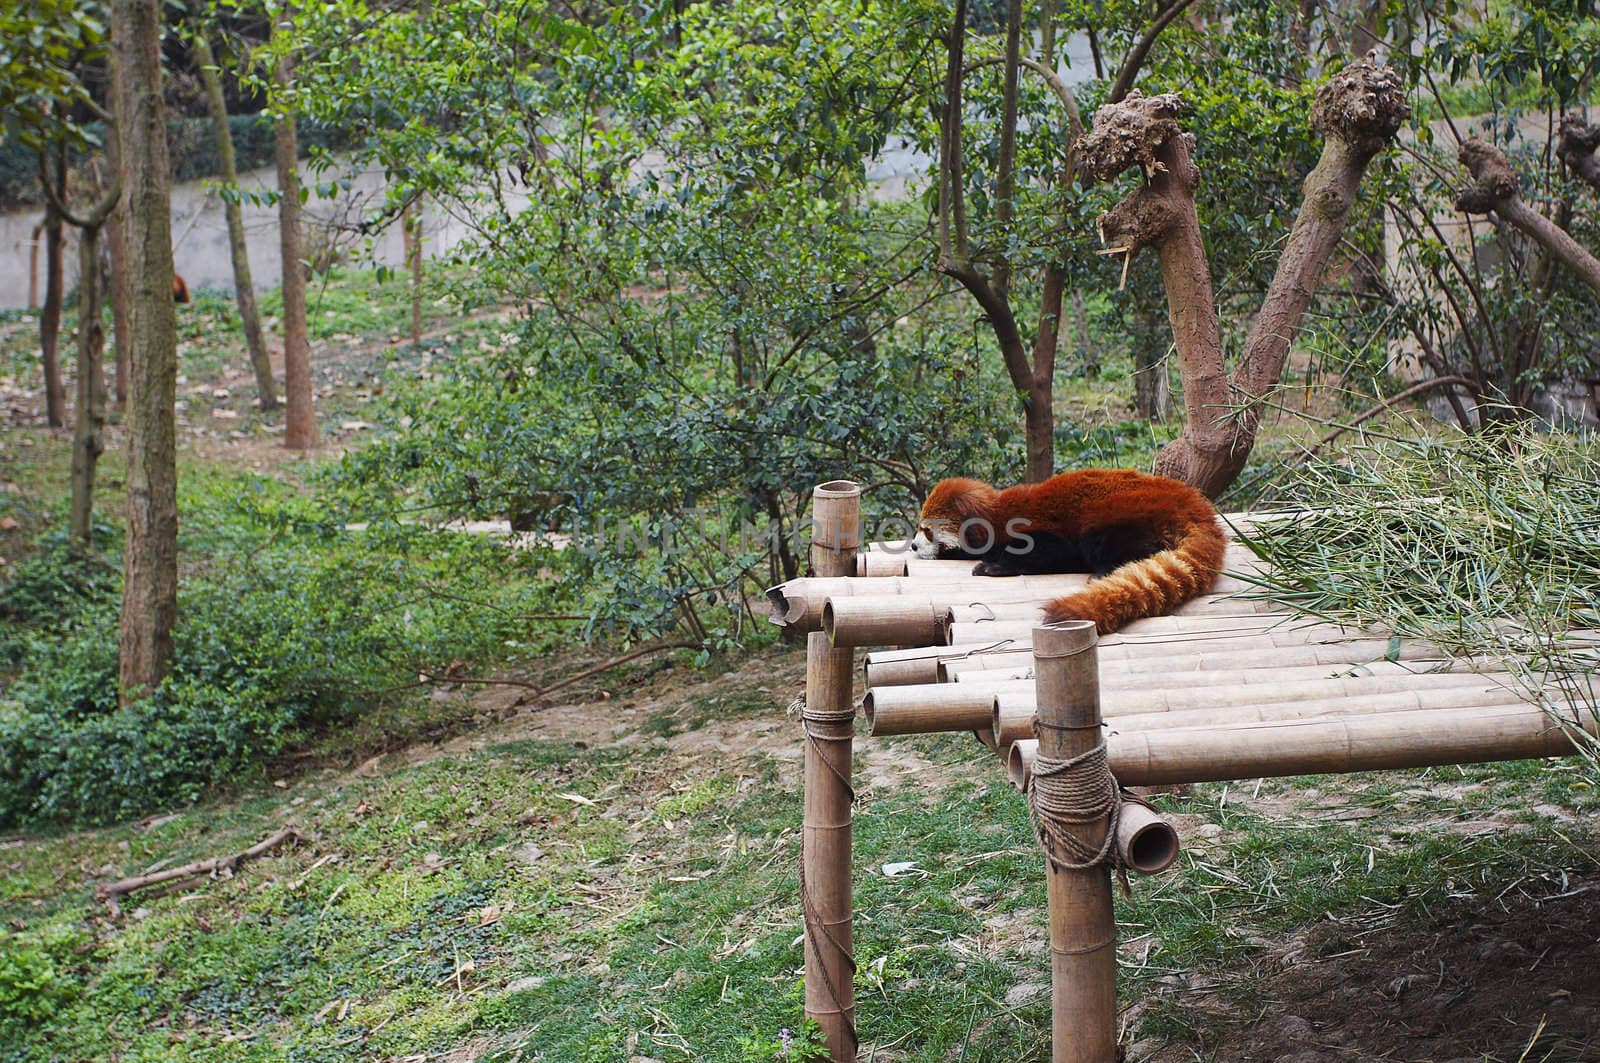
<point x="300" y="419"/>
<point x="90" y="414"/>
<point x="1041" y="415"/>
<point x="89" y="422"/>
<point x="243" y="286"/>
<point x="55" y="395"/>
<point x="121" y="290"/>
<point x="150" y="581"/>
<point x="411" y="230"/>
<point x="1358" y="112"/>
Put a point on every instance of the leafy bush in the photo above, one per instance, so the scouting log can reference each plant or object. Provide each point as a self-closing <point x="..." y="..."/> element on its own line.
<point x="286" y="625"/>
<point x="34" y="984"/>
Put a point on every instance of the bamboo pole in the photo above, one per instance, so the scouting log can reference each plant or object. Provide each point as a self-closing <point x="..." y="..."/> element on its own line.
<point x="927" y="708"/>
<point x="1345" y="744"/>
<point x="1198" y="690"/>
<point x="1014" y="713"/>
<point x="1083" y="932"/>
<point x="797" y="604"/>
<point x="828" y="722"/>
<point x="1416" y="739"/>
<point x="1191" y="634"/>
<point x="878" y="564"/>
<point x="920" y="664"/>
<point x="857" y="621"/>
<point x="934" y="707"/>
<point x="1211" y="605"/>
<point x="1355" y="652"/>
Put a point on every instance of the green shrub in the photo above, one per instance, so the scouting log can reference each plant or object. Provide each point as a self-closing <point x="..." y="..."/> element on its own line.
<point x="286" y="625"/>
<point x="34" y="984"/>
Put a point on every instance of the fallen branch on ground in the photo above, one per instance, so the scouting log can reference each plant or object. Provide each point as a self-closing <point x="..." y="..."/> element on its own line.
<point x="109" y="893"/>
<point x="540" y="691"/>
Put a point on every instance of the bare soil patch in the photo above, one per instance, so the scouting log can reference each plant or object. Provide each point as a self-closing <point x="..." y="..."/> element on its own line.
<point x="1510" y="979"/>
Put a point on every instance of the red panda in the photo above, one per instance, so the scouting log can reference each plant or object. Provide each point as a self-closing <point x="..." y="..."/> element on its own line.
<point x="1155" y="543"/>
<point x="180" y="289"/>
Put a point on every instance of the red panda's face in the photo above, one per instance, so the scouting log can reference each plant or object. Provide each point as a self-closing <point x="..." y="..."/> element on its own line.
<point x="950" y="506"/>
<point x="934" y="534"/>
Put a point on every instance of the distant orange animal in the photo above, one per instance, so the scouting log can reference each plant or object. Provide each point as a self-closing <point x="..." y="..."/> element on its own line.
<point x="180" y="289"/>
<point x="1153" y="543"/>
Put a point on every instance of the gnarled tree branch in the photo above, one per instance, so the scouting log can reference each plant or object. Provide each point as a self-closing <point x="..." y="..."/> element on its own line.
<point x="1358" y="112"/>
<point x="1495" y="188"/>
<point x="1141" y="51"/>
<point x="1576" y="143"/>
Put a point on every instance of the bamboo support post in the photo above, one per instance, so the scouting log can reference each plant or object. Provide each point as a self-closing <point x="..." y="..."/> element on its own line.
<point x="1083" y="932"/>
<point x="828" y="723"/>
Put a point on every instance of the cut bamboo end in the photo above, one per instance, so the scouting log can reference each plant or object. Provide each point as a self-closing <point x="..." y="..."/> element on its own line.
<point x="835" y="527"/>
<point x="1019" y="762"/>
<point x="925" y="710"/>
<point x="856" y="621"/>
<point x="1146" y="842"/>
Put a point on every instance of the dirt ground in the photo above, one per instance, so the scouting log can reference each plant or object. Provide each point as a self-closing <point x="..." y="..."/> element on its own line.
<point x="1522" y="976"/>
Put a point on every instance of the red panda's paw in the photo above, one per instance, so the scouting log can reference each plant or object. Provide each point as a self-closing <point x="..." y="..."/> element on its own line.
<point x="995" y="568"/>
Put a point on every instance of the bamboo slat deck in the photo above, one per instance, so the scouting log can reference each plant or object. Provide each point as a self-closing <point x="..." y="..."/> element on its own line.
<point x="955" y="653"/>
<point x="1229" y="686"/>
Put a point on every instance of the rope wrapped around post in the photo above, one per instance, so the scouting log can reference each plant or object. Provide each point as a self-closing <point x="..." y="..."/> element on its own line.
<point x="1068" y="795"/>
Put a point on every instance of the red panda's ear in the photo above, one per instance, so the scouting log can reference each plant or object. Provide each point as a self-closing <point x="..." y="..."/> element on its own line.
<point x="960" y="499"/>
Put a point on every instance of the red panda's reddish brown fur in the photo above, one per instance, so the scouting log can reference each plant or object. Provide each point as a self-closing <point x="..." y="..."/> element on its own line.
<point x="1172" y="524"/>
<point x="180" y="289"/>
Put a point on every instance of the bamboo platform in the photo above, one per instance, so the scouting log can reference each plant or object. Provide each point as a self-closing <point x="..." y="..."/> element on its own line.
<point x="1229" y="686"/>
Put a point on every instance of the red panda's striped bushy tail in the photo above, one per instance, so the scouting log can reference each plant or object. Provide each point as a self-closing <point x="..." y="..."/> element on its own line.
<point x="1149" y="587"/>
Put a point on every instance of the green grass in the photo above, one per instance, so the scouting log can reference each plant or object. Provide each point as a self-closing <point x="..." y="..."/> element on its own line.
<point x="537" y="900"/>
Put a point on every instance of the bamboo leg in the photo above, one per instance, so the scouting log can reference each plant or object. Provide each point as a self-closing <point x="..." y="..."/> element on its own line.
<point x="1083" y="931"/>
<point x="828" y="720"/>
